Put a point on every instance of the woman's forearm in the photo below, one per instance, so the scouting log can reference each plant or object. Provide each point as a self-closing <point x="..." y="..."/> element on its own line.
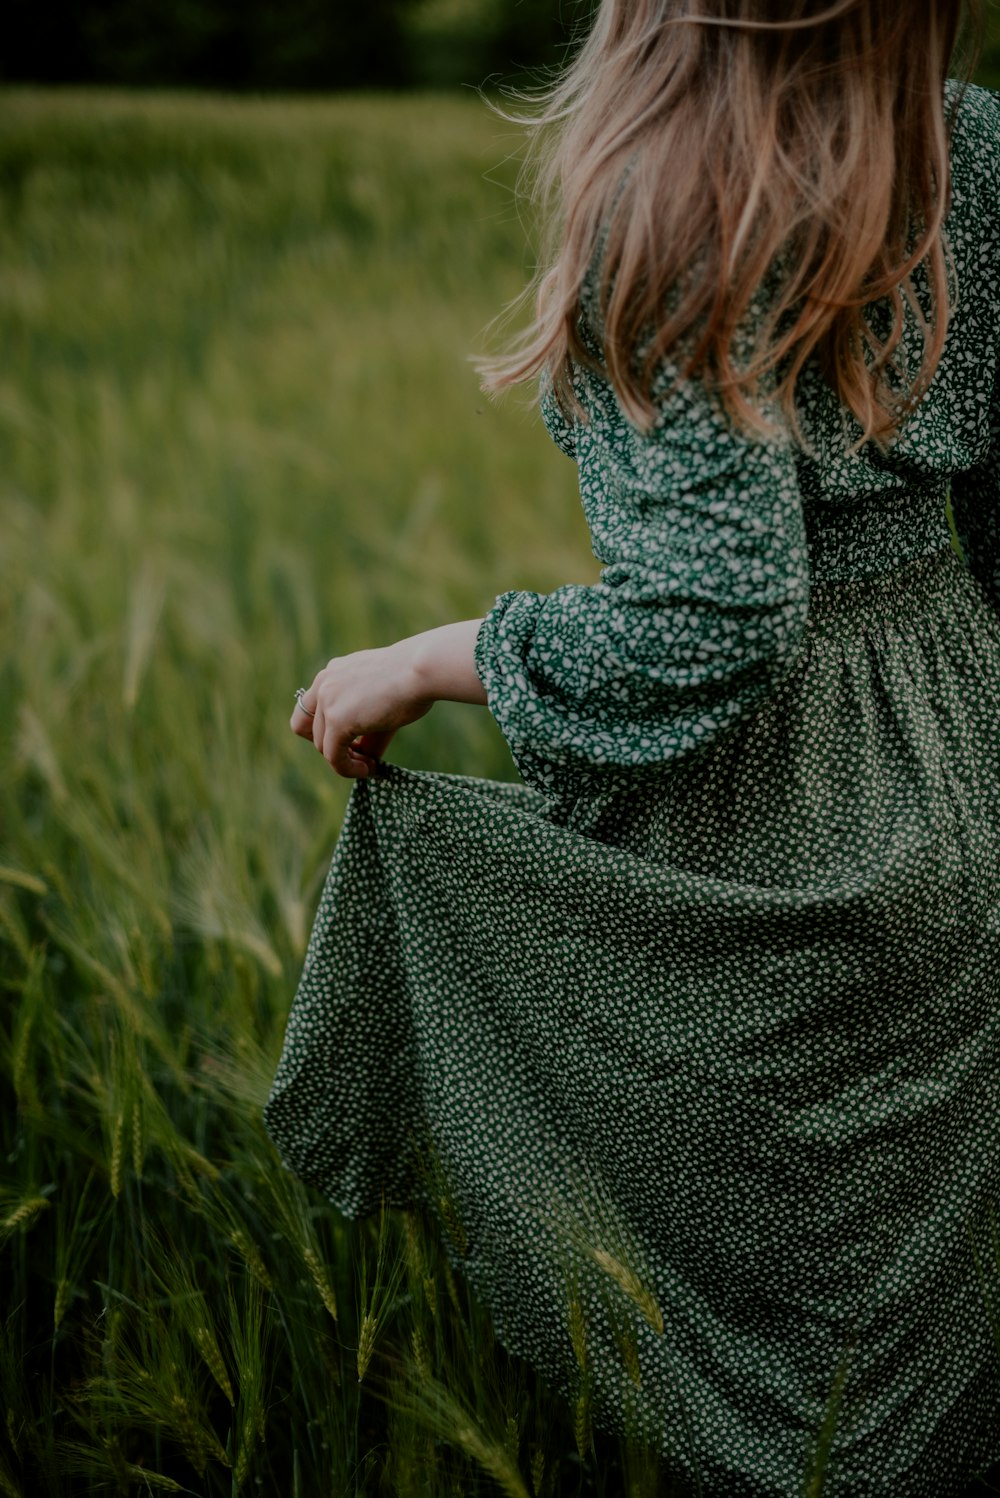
<point x="444" y="664"/>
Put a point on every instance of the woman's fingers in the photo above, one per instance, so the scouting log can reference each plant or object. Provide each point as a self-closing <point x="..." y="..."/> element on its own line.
<point x="351" y="758"/>
<point x="303" y="713"/>
<point x="318" y="726"/>
<point x="359" y="765"/>
<point x="374" y="744"/>
<point x="370" y="686"/>
<point x="342" y="753"/>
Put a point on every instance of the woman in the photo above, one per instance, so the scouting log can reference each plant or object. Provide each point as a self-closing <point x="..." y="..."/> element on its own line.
<point x="699" y="1027"/>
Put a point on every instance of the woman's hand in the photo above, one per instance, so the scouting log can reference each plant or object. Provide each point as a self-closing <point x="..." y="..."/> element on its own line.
<point x="356" y="703"/>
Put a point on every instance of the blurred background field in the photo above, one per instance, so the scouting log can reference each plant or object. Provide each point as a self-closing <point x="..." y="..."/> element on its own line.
<point x="239" y="433"/>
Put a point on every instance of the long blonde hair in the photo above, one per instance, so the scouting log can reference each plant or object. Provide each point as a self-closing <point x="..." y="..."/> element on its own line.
<point x="694" y="146"/>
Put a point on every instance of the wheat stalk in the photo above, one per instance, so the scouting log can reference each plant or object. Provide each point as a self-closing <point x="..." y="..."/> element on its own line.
<point x="432" y="1404"/>
<point x="578" y="1332"/>
<point x="23" y="1215"/>
<point x="116" y="1155"/>
<point x="137" y="1140"/>
<point x="250" y="1254"/>
<point x="209" y="1348"/>
<point x="320" y="1280"/>
<point x="628" y="1347"/>
<point x="421" y="1356"/>
<point x="22" y="1044"/>
<point x="146" y="1478"/>
<point x="61" y="1301"/>
<point x="366" y="1344"/>
<point x="537" y="1469"/>
<point x="374" y="1306"/>
<point x="629" y="1282"/>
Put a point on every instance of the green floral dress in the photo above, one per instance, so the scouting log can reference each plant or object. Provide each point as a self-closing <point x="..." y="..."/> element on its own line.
<point x="697" y="1030"/>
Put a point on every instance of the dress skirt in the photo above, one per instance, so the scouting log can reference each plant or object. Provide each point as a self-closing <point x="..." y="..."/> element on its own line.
<point x="708" y="1056"/>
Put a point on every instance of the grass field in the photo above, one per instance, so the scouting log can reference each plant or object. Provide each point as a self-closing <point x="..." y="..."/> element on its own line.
<point x="239" y="433"/>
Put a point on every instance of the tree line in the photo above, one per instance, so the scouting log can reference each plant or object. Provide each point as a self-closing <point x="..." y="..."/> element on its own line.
<point x="257" y="45"/>
<point x="261" y="46"/>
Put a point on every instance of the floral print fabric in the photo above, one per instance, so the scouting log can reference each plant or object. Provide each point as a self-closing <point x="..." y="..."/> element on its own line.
<point x="699" y="1025"/>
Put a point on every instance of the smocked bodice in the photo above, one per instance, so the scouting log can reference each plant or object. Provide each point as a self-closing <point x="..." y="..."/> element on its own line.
<point x="714" y="539"/>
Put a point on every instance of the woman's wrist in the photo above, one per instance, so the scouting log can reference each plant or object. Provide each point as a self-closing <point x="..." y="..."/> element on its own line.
<point x="443" y="662"/>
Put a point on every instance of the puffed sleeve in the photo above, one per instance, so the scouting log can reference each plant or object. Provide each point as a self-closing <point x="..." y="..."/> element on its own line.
<point x="699" y="610"/>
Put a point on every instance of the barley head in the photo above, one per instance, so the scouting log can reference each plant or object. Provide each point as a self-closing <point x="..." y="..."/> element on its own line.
<point x="209" y="1349"/>
<point x="453" y="1225"/>
<point x="116" y="1155"/>
<point x="628" y="1347"/>
<point x="250" y="1254"/>
<point x="61" y="1301"/>
<point x="22" y="1074"/>
<point x="188" y="1433"/>
<point x="628" y="1281"/>
<point x="147" y="1479"/>
<point x="24" y="1215"/>
<point x="366" y="1345"/>
<point x="414" y="1247"/>
<point x="512" y="1438"/>
<point x="420" y="1354"/>
<point x="319" y="1278"/>
<point x="138" y="1151"/>
<point x="578" y="1332"/>
<point x="537" y="1469"/>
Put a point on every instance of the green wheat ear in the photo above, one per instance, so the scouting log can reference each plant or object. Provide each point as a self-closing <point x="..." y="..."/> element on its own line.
<point x="170" y="1398"/>
<point x="74" y="1240"/>
<point x="438" y="1409"/>
<point x="591" y="1243"/>
<point x="626" y="1343"/>
<point x="31" y="1019"/>
<point x="378" y="1290"/>
<point x="537" y="1469"/>
<point x="435" y="1178"/>
<point x="421" y="1280"/>
<point x="250" y="1254"/>
<point x="170" y="1266"/>
<point x="249" y="1331"/>
<point x="22" y="1215"/>
<point x="290" y="1206"/>
<point x="585" y="1227"/>
<point x="578" y="1331"/>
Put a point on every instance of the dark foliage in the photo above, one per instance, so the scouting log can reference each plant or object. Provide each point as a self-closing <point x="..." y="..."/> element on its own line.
<point x="232" y="44"/>
<point x="260" y="46"/>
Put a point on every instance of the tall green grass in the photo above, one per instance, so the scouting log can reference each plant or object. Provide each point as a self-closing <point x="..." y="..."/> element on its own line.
<point x="238" y="434"/>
